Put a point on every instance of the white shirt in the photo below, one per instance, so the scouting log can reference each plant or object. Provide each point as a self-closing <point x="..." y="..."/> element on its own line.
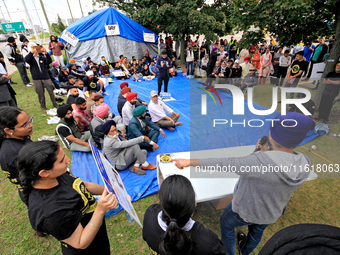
<point x="2" y="69"/>
<point x="81" y="94"/>
<point x="245" y="69"/>
<point x="205" y="61"/>
<point x="285" y="61"/>
<point x="157" y="111"/>
<point x="190" y="55"/>
<point x="127" y="112"/>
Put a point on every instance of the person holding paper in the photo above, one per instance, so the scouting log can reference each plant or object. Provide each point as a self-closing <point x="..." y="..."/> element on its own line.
<point x="60" y="204"/>
<point x="260" y="197"/>
<point x="122" y="153"/>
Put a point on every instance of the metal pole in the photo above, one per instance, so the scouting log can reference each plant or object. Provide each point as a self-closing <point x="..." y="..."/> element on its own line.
<point x="10" y="17"/>
<point x="38" y="16"/>
<point x="29" y="19"/>
<point x="2" y="14"/>
<point x="48" y="23"/>
<point x="82" y="14"/>
<point x="70" y="10"/>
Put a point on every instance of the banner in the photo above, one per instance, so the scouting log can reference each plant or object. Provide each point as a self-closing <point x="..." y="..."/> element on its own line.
<point x="112" y="30"/>
<point x="149" y="37"/>
<point x="113" y="182"/>
<point x="70" y="38"/>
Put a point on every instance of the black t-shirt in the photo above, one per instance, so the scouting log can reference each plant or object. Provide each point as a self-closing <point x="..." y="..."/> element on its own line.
<point x="90" y="85"/>
<point x="146" y="72"/>
<point x="332" y="90"/>
<point x="204" y="240"/>
<point x="71" y="99"/>
<point x="59" y="210"/>
<point x="8" y="158"/>
<point x="64" y="131"/>
<point x="297" y="66"/>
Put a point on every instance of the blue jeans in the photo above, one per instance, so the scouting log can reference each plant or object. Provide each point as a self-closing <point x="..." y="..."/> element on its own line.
<point x="230" y="220"/>
<point x="98" y="87"/>
<point x="190" y="63"/>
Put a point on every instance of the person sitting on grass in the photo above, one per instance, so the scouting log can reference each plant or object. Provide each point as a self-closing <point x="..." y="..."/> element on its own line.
<point x="122" y="153"/>
<point x="168" y="226"/>
<point x="157" y="109"/>
<point x="68" y="132"/>
<point x="62" y="205"/>
<point x="74" y="94"/>
<point x="80" y="116"/>
<point x="63" y="75"/>
<point x="146" y="74"/>
<point x="76" y="72"/>
<point x="140" y="126"/>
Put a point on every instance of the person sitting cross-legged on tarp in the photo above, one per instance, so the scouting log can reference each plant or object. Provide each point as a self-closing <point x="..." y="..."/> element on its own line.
<point x="260" y="196"/>
<point x="140" y="126"/>
<point x="122" y="152"/>
<point x="157" y="109"/>
<point x="68" y="132"/>
<point x="101" y="115"/>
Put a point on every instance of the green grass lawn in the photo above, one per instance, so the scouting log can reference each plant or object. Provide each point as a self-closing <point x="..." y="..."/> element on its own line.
<point x="314" y="202"/>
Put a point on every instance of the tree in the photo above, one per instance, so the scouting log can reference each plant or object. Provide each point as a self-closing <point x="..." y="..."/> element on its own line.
<point x="55" y="28"/>
<point x="290" y="21"/>
<point x="61" y="25"/>
<point x="179" y="18"/>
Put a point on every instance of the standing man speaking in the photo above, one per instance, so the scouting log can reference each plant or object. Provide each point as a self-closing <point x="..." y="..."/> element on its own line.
<point x="163" y="65"/>
<point x="259" y="197"/>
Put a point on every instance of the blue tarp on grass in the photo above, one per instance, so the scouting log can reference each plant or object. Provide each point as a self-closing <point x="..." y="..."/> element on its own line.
<point x="196" y="133"/>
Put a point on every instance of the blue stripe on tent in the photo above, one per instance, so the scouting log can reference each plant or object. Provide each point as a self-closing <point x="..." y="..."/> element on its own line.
<point x="201" y="135"/>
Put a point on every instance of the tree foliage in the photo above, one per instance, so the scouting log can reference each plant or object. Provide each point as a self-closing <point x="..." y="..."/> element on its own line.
<point x="60" y="24"/>
<point x="289" y="21"/>
<point x="178" y="18"/>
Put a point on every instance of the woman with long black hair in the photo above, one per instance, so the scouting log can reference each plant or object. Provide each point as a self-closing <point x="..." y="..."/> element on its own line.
<point x="60" y="204"/>
<point x="168" y="227"/>
<point x="15" y="130"/>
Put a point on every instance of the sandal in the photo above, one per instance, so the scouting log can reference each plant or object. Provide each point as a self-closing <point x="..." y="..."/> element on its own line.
<point x="240" y="237"/>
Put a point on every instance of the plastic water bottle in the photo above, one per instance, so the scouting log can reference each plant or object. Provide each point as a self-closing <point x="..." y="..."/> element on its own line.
<point x="130" y="219"/>
<point x="332" y="134"/>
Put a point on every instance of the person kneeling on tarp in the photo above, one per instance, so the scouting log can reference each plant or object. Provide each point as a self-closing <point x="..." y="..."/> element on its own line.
<point x="168" y="226"/>
<point x="139" y="126"/>
<point x="122" y="152"/>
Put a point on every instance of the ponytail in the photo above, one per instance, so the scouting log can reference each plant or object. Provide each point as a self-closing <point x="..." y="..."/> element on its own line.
<point x="177" y="201"/>
<point x="33" y="158"/>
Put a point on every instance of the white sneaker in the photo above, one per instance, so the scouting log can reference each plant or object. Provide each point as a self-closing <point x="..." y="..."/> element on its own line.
<point x="28" y="85"/>
<point x="31" y="83"/>
<point x="104" y="93"/>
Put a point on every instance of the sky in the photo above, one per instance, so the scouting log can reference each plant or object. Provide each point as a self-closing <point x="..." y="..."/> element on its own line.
<point x="52" y="7"/>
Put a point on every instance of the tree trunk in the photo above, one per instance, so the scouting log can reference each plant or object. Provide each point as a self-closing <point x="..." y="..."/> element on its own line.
<point x="182" y="49"/>
<point x="332" y="60"/>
